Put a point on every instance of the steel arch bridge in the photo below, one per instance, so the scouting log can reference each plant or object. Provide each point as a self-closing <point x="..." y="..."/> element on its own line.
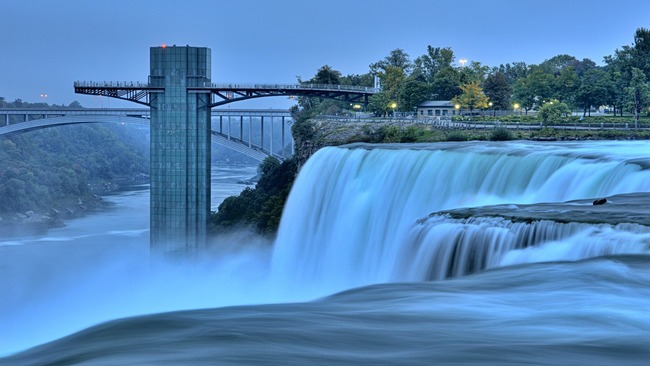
<point x="14" y="121"/>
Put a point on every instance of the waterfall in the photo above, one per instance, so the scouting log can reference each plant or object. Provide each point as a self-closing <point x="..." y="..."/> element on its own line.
<point x="442" y="247"/>
<point x="353" y="210"/>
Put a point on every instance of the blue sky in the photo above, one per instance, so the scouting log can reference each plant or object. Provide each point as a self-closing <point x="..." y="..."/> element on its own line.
<point x="47" y="45"/>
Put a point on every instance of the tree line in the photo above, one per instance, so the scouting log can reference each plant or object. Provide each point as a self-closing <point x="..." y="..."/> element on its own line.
<point x="55" y="168"/>
<point x="561" y="83"/>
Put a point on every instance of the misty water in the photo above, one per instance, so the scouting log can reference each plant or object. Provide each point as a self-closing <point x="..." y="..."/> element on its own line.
<point x="455" y="253"/>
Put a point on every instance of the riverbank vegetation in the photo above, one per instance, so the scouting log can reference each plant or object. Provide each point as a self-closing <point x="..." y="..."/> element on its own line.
<point x="55" y="173"/>
<point x="261" y="207"/>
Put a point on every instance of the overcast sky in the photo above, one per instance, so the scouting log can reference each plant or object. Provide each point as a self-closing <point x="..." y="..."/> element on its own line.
<point x="47" y="45"/>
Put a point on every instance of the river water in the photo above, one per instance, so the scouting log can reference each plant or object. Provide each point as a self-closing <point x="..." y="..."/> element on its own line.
<point x="459" y="253"/>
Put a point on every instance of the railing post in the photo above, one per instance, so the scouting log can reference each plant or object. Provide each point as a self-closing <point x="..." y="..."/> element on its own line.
<point x="250" y="132"/>
<point x="262" y="133"/>
<point x="282" y="137"/>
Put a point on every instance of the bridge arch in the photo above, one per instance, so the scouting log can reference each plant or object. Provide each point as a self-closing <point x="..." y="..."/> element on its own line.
<point x="244" y="147"/>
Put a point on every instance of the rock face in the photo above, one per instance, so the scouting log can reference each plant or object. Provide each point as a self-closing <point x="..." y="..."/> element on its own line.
<point x="600" y="201"/>
<point x="317" y="133"/>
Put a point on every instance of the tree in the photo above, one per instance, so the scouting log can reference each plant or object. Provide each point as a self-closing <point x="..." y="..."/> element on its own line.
<point x="380" y="103"/>
<point x="472" y="97"/>
<point x="593" y="90"/>
<point x="514" y="71"/>
<point x="397" y="58"/>
<point x="326" y="75"/>
<point x="433" y="61"/>
<point x="638" y="94"/>
<point x="624" y="60"/>
<point x="358" y="80"/>
<point x="641" y="54"/>
<point x="475" y="72"/>
<point x="565" y="85"/>
<point x="446" y="84"/>
<point x="531" y="91"/>
<point x="392" y="82"/>
<point x="414" y="93"/>
<point x="498" y="90"/>
<point x="553" y="110"/>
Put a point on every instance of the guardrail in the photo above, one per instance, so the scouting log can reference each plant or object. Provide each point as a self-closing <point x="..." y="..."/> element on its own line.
<point x="301" y="86"/>
<point x="111" y="84"/>
<point x="234" y="86"/>
<point x="469" y="125"/>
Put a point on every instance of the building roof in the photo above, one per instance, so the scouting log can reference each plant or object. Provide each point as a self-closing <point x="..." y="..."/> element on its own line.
<point x="436" y="103"/>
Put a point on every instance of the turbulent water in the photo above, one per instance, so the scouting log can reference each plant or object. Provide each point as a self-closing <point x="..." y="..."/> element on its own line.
<point x="430" y="272"/>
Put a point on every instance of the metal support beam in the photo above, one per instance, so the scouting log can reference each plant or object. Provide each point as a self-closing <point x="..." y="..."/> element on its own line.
<point x="262" y="133"/>
<point x="250" y="132"/>
<point x="282" y="137"/>
<point x="271" y="139"/>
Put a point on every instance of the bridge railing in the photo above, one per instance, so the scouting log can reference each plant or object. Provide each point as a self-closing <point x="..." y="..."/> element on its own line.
<point x="111" y="84"/>
<point x="234" y="86"/>
<point x="301" y="86"/>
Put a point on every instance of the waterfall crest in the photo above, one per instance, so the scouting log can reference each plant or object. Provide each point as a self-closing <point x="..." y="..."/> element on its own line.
<point x="353" y="210"/>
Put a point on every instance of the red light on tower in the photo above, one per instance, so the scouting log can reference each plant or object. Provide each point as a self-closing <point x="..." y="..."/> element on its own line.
<point x="164" y="45"/>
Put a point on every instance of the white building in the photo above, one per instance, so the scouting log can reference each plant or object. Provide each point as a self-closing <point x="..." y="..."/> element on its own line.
<point x="436" y="108"/>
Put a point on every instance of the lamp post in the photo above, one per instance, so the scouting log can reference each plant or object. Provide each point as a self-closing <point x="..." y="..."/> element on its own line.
<point x="44" y="97"/>
<point x="490" y="107"/>
<point x="462" y="62"/>
<point x="457" y="107"/>
<point x="393" y="106"/>
<point x="516" y="107"/>
<point x="356" y="108"/>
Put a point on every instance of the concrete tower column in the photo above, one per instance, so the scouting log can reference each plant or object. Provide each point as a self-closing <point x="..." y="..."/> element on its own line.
<point x="180" y="148"/>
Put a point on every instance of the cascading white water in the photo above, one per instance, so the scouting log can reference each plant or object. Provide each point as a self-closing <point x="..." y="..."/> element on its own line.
<point x="442" y="247"/>
<point x="352" y="209"/>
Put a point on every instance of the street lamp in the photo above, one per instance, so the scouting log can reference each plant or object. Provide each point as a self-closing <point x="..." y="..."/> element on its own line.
<point x="516" y="107"/>
<point x="393" y="106"/>
<point x="43" y="97"/>
<point x="462" y="61"/>
<point x="490" y="106"/>
<point x="356" y="108"/>
<point x="457" y="107"/>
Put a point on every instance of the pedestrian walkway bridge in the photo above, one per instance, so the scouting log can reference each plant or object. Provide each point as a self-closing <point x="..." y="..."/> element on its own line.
<point x="224" y="93"/>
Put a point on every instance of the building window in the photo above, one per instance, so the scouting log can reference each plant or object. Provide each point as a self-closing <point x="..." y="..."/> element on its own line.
<point x="429" y="112"/>
<point x="437" y="112"/>
<point x="444" y="112"/>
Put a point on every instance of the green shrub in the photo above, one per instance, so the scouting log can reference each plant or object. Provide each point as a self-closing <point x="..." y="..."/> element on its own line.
<point x="500" y="134"/>
<point x="457" y="136"/>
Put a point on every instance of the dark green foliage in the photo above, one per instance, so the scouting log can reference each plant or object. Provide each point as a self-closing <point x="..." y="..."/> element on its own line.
<point x="498" y="89"/>
<point x="262" y="206"/>
<point x="500" y="134"/>
<point x="457" y="136"/>
<point x="49" y="168"/>
<point x="414" y="93"/>
<point x="392" y="134"/>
